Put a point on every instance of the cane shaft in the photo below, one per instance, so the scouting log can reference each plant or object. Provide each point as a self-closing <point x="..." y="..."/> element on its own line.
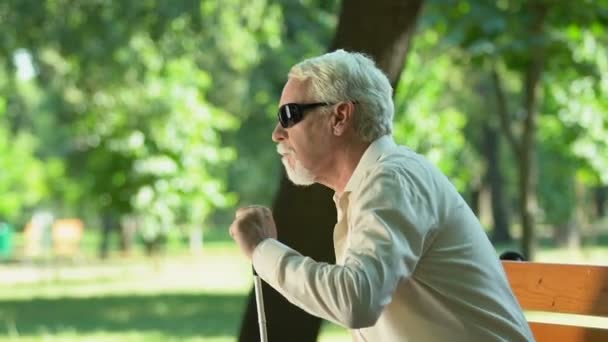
<point x="259" y="299"/>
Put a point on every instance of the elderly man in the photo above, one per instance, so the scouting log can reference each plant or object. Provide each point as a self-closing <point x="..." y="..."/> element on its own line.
<point x="412" y="261"/>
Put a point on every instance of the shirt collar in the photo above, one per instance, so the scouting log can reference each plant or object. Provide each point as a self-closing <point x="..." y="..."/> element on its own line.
<point x="371" y="155"/>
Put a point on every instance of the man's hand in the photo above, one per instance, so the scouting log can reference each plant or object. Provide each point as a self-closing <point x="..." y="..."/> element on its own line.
<point x="251" y="226"/>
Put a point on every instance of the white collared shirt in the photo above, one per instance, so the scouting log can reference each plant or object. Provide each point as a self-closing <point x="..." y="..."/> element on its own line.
<point x="412" y="261"/>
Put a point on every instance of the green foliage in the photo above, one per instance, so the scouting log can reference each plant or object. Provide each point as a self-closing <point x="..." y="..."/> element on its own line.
<point x="574" y="129"/>
<point x="122" y="102"/>
<point x="430" y="121"/>
<point x="572" y="136"/>
<point x="159" y="109"/>
<point x="164" y="109"/>
<point x="578" y="98"/>
<point x="22" y="174"/>
<point x="302" y="29"/>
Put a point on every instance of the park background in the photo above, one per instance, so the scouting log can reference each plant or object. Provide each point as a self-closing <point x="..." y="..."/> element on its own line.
<point x="131" y="130"/>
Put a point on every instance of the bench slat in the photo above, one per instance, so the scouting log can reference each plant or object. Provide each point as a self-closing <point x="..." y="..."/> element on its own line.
<point x="557" y="332"/>
<point x="576" y="289"/>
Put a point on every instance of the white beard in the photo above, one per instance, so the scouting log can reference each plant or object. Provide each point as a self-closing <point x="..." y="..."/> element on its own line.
<point x="298" y="174"/>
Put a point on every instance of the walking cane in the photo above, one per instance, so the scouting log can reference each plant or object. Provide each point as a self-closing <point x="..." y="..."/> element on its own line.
<point x="259" y="300"/>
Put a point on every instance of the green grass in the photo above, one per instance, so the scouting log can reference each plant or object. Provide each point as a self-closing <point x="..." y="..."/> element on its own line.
<point x="175" y="298"/>
<point x="177" y="316"/>
<point x="178" y="297"/>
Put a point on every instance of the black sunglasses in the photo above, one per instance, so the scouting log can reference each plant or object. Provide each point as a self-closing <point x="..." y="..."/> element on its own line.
<point x="291" y="113"/>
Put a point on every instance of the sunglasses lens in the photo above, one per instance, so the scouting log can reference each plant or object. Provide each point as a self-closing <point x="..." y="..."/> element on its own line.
<point x="289" y="114"/>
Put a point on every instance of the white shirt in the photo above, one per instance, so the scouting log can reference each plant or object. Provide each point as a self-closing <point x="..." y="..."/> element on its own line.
<point x="412" y="261"/>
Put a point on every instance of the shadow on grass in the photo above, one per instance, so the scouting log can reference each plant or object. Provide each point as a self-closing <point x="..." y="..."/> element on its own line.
<point x="175" y="315"/>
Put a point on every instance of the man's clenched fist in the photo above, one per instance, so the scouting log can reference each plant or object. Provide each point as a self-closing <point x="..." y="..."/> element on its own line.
<point x="251" y="225"/>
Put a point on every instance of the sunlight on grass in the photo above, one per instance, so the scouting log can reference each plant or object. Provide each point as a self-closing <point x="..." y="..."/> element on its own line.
<point x="176" y="298"/>
<point x="567" y="319"/>
<point x="587" y="255"/>
<point x="217" y="270"/>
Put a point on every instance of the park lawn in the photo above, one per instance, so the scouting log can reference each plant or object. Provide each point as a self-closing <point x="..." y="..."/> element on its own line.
<point x="175" y="298"/>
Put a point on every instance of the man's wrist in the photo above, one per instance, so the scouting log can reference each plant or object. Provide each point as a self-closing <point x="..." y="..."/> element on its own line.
<point x="257" y="246"/>
<point x="266" y="257"/>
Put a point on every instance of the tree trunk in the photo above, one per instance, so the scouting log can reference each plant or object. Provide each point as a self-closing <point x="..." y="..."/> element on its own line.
<point x="495" y="180"/>
<point x="305" y="216"/>
<point x="382" y="30"/>
<point x="525" y="148"/>
<point x="109" y="224"/>
<point x="600" y="199"/>
<point x="527" y="157"/>
<point x="475" y="199"/>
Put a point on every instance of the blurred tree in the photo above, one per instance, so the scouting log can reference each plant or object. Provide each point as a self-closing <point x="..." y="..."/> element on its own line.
<point x="512" y="42"/>
<point x="441" y="111"/>
<point x="114" y="85"/>
<point x="96" y="90"/>
<point x="577" y="132"/>
<point x="601" y="197"/>
<point x="524" y="146"/>
<point x="22" y="175"/>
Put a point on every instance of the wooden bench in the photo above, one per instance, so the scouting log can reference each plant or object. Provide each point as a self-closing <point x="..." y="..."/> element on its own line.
<point x="560" y="288"/>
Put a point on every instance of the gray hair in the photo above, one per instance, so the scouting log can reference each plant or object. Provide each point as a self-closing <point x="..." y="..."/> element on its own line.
<point x="350" y="76"/>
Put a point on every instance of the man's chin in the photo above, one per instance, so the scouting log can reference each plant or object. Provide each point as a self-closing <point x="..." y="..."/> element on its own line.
<point x="289" y="161"/>
<point x="300" y="183"/>
<point x="297" y="179"/>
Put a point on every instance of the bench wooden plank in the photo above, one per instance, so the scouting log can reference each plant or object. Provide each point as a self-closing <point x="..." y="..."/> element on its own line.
<point x="576" y="289"/>
<point x="569" y="333"/>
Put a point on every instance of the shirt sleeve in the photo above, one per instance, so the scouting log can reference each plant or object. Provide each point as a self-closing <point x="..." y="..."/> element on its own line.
<point x="387" y="228"/>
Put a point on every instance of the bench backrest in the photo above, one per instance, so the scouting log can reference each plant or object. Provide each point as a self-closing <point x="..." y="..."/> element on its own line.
<point x="560" y="288"/>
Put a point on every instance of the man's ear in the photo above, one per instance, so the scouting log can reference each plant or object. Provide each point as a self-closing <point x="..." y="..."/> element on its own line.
<point x="342" y="117"/>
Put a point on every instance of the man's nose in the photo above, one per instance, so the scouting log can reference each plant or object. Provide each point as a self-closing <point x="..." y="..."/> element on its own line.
<point x="279" y="133"/>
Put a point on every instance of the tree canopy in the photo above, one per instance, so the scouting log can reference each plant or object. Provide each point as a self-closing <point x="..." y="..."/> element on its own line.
<point x="164" y="109"/>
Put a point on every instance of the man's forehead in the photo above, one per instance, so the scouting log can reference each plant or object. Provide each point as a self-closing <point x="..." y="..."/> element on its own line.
<point x="295" y="91"/>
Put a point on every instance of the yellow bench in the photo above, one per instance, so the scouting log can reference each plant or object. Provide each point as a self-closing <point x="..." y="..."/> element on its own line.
<point x="560" y="288"/>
